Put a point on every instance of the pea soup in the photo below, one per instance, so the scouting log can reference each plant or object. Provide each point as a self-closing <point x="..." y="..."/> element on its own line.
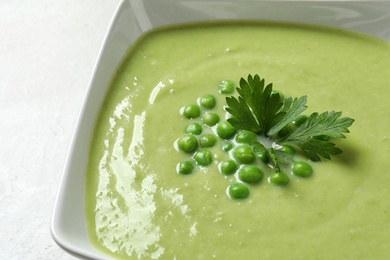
<point x="139" y="207"/>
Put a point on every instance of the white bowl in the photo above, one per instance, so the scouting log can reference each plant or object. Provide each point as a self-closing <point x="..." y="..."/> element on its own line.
<point x="131" y="19"/>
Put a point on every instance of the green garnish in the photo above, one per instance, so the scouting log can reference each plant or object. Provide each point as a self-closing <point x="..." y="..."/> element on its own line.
<point x="326" y="124"/>
<point x="264" y="112"/>
<point x="263" y="130"/>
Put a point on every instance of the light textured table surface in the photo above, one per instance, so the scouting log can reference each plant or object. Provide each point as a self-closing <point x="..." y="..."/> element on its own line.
<point x="47" y="53"/>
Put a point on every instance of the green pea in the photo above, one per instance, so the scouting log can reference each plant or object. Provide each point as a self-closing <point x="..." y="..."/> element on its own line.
<point x="228" y="167"/>
<point x="263" y="156"/>
<point x="227" y="146"/>
<point x="225" y="130"/>
<point x="191" y="111"/>
<point x="287" y="149"/>
<point x="238" y="191"/>
<point x="185" y="167"/>
<point x="288" y="129"/>
<point x="207" y="140"/>
<point x="300" y="120"/>
<point x="302" y="169"/>
<point x="260" y="152"/>
<point x="250" y="174"/>
<point x="207" y="101"/>
<point x="226" y="87"/>
<point x="188" y="143"/>
<point x="245" y="136"/>
<point x="278" y="178"/>
<point x="243" y="154"/>
<point x="210" y="119"/>
<point x="195" y="129"/>
<point x="203" y="157"/>
<point x="258" y="147"/>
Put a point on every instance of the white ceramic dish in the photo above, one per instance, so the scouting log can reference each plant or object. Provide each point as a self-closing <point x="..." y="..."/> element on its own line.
<point x="131" y="19"/>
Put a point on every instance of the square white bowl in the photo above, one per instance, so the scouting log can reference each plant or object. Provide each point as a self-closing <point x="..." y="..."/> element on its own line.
<point x="131" y="19"/>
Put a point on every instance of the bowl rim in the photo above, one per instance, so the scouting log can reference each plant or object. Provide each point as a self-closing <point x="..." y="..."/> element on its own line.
<point x="61" y="191"/>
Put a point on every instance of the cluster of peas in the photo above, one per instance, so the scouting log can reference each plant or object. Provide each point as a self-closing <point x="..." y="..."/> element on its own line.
<point x="242" y="146"/>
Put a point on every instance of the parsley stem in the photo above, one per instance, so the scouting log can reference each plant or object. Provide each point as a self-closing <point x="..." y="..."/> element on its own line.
<point x="274" y="159"/>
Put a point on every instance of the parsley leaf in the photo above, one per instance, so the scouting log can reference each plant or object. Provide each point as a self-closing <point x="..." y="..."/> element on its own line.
<point x="257" y="109"/>
<point x="328" y="124"/>
<point x="293" y="108"/>
<point x="260" y="110"/>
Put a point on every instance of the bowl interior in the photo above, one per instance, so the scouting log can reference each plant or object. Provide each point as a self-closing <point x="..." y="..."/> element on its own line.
<point x="364" y="16"/>
<point x="131" y="19"/>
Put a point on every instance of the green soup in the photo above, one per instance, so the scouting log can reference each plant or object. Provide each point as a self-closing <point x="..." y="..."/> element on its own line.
<point x="137" y="206"/>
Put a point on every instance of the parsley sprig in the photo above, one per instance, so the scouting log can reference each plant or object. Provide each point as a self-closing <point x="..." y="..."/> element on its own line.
<point x="261" y="110"/>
